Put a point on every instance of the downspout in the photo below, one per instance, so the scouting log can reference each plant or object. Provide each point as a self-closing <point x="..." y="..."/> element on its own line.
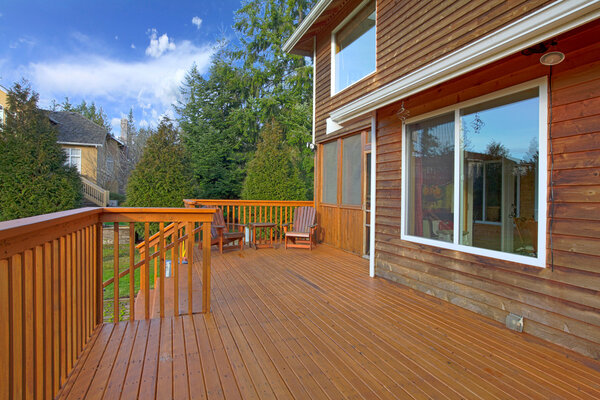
<point x="314" y="125"/>
<point x="373" y="193"/>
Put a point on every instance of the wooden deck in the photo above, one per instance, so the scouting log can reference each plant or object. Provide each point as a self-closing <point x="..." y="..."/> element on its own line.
<point x="312" y="325"/>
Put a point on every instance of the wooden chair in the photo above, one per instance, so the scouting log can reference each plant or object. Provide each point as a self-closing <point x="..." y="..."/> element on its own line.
<point x="221" y="233"/>
<point x="303" y="231"/>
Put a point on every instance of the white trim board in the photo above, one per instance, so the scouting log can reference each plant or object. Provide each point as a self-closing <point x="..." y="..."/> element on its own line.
<point x="552" y="20"/>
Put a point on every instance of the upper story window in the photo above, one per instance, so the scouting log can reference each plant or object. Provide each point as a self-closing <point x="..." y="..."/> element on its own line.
<point x="474" y="176"/>
<point x="353" y="48"/>
<point x="73" y="158"/>
<point x="1" y="114"/>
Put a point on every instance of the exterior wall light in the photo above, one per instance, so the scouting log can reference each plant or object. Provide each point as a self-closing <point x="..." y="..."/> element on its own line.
<point x="552" y="58"/>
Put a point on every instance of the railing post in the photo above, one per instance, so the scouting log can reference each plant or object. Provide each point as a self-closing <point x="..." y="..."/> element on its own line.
<point x="145" y="281"/>
<point x="131" y="271"/>
<point x="116" y="272"/>
<point x="190" y="229"/>
<point x="98" y="271"/>
<point x="206" y="267"/>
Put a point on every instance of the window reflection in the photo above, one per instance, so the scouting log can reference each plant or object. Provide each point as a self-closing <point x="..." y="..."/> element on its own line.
<point x="355" y="48"/>
<point x="431" y="186"/>
<point x="499" y="167"/>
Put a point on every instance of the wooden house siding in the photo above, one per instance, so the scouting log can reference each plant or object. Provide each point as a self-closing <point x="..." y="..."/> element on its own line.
<point x="560" y="303"/>
<point x="410" y="34"/>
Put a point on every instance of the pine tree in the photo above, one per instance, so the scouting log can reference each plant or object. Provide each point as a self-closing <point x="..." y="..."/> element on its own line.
<point x="271" y="175"/>
<point x="33" y="176"/>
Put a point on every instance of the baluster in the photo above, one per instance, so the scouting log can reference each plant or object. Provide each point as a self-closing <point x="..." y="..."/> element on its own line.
<point x="131" y="271"/>
<point x="155" y="265"/>
<point x="146" y="271"/>
<point x="116" y="271"/>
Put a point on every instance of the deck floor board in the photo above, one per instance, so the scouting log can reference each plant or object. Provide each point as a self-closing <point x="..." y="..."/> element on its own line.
<point x="313" y="325"/>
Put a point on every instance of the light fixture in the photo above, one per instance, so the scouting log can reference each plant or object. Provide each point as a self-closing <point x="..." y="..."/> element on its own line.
<point x="311" y="146"/>
<point x="552" y="58"/>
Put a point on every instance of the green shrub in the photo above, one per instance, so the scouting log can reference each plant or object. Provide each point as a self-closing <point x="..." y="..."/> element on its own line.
<point x="271" y="175"/>
<point x="162" y="177"/>
<point x="33" y="176"/>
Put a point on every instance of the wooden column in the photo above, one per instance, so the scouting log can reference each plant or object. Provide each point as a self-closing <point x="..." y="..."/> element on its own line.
<point x="206" y="267"/>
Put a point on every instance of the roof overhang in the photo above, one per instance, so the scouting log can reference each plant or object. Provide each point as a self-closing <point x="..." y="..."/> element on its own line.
<point x="547" y="22"/>
<point x="292" y="44"/>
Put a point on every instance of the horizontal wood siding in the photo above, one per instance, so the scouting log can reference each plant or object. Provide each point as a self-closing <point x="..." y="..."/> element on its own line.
<point x="410" y="34"/>
<point x="560" y="303"/>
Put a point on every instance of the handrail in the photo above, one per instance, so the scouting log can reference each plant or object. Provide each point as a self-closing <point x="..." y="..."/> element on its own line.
<point x="94" y="193"/>
<point x="51" y="287"/>
<point x="246" y="212"/>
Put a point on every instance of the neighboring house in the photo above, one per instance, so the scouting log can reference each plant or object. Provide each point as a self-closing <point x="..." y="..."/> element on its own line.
<point x="459" y="151"/>
<point x="89" y="147"/>
<point x="3" y="103"/>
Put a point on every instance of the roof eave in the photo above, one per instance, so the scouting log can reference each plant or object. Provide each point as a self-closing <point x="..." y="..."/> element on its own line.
<point x="304" y="26"/>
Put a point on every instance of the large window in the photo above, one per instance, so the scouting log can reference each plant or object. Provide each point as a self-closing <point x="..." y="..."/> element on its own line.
<point x="473" y="176"/>
<point x="351" y="170"/>
<point x="348" y="167"/>
<point x="330" y="173"/>
<point x="73" y="158"/>
<point x="354" y="48"/>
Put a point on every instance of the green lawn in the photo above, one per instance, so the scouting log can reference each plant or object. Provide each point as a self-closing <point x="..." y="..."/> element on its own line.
<point x="108" y="272"/>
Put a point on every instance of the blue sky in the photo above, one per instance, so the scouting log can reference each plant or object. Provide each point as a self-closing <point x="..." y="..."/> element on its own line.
<point x="120" y="54"/>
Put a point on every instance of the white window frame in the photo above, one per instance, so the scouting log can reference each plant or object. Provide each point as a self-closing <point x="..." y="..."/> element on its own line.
<point x="69" y="152"/>
<point x="334" y="90"/>
<point x="540" y="260"/>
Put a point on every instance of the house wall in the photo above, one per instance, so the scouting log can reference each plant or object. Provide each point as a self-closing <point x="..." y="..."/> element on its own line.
<point x="560" y="303"/>
<point x="410" y="34"/>
<point x="108" y="175"/>
<point x="4" y="104"/>
<point x="89" y="161"/>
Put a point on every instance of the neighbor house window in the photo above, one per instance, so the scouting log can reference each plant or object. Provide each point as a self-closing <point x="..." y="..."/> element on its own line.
<point x="74" y="158"/>
<point x="474" y="179"/>
<point x="354" y="48"/>
<point x="1" y="115"/>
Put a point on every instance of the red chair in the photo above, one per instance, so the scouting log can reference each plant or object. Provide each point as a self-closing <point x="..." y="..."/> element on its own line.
<point x="303" y="230"/>
<point x="223" y="234"/>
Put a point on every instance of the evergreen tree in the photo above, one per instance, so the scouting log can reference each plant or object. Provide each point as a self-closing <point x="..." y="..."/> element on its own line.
<point x="249" y="85"/>
<point x="162" y="178"/>
<point x="271" y="175"/>
<point x="33" y="176"/>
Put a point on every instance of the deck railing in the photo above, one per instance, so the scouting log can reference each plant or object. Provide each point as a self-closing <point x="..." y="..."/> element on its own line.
<point x="94" y="193"/>
<point x="248" y="211"/>
<point x="51" y="288"/>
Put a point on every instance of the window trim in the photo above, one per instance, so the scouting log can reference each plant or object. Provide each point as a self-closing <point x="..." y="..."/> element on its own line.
<point x="333" y="45"/>
<point x="70" y="157"/>
<point x="540" y="260"/>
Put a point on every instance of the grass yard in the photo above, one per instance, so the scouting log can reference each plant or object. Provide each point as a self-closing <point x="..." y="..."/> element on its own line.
<point x="108" y="272"/>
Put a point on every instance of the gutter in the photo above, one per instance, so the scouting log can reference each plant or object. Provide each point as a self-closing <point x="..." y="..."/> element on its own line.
<point x="305" y="25"/>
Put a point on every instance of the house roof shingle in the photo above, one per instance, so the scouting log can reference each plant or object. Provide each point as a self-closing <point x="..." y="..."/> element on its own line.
<point x="73" y="127"/>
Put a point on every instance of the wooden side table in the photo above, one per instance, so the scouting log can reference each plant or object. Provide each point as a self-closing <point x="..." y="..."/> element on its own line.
<point x="266" y="227"/>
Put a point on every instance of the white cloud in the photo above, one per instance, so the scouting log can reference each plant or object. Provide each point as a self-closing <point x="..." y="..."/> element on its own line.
<point x="151" y="84"/>
<point x="197" y="21"/>
<point x="159" y="45"/>
<point x="115" y="124"/>
<point x="132" y="46"/>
